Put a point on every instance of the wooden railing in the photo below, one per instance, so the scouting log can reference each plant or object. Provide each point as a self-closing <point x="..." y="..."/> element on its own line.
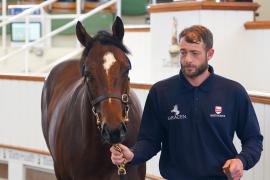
<point x="260" y="99"/>
<point x="254" y="98"/>
<point x="257" y="25"/>
<point x="70" y="8"/>
<point x="205" y="5"/>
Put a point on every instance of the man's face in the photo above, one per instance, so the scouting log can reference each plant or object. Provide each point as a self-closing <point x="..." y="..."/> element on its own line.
<point x="193" y="58"/>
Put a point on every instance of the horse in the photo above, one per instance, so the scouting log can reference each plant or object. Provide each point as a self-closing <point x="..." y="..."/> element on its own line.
<point x="87" y="106"/>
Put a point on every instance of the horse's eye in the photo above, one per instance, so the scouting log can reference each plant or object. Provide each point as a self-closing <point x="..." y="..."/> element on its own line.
<point x="88" y="75"/>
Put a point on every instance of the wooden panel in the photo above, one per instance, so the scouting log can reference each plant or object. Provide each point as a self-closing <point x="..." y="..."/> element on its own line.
<point x="70" y="7"/>
<point x="3" y="171"/>
<point x="206" y="5"/>
<point x="34" y="174"/>
<point x="257" y="25"/>
<point x="91" y="5"/>
<point x="61" y="8"/>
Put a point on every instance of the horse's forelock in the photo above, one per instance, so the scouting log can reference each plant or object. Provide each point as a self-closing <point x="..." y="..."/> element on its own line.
<point x="106" y="38"/>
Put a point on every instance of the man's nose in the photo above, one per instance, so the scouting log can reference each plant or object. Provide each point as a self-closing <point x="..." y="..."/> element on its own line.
<point x="188" y="58"/>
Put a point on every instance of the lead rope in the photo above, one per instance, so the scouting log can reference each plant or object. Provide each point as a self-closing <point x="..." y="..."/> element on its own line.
<point x="121" y="167"/>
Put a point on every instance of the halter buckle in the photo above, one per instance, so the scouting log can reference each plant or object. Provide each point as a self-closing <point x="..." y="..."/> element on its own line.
<point x="121" y="167"/>
<point x="124" y="98"/>
<point x="122" y="170"/>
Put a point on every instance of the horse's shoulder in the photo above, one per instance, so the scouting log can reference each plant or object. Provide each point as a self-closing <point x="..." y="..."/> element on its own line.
<point x="61" y="78"/>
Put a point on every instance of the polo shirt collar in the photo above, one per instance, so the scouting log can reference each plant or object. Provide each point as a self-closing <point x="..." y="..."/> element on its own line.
<point x="205" y="86"/>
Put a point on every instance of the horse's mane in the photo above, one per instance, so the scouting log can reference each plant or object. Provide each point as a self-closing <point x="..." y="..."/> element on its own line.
<point x="105" y="38"/>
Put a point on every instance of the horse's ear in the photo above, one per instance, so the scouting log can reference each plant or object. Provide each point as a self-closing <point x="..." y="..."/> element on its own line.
<point x="82" y="35"/>
<point x="118" y="28"/>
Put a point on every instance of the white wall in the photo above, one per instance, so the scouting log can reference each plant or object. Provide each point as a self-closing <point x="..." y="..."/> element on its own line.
<point x="139" y="45"/>
<point x="20" y="114"/>
<point x="261" y="169"/>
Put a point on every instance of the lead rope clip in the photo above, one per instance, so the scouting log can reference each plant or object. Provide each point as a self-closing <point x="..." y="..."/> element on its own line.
<point x="121" y="167"/>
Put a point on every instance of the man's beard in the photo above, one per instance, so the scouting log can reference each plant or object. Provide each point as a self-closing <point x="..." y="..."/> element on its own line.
<point x="198" y="70"/>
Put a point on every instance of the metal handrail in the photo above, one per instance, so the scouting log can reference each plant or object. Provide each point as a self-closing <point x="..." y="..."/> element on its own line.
<point x="60" y="29"/>
<point x="27" y="12"/>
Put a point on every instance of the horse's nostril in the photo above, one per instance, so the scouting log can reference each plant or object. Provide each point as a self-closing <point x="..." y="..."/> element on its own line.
<point x="114" y="136"/>
<point x="105" y="133"/>
<point x="123" y="127"/>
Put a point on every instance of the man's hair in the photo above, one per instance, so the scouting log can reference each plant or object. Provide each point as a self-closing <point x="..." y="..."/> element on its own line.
<point x="196" y="34"/>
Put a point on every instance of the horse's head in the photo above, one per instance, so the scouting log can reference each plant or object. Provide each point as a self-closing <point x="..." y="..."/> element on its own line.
<point x="105" y="66"/>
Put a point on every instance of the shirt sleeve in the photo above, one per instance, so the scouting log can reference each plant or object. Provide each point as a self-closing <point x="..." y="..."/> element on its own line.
<point x="149" y="139"/>
<point x="248" y="131"/>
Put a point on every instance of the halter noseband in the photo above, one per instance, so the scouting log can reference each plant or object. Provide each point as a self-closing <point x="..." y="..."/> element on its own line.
<point x="123" y="98"/>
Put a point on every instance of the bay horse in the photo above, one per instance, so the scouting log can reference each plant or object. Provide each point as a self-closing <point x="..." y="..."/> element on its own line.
<point x="85" y="107"/>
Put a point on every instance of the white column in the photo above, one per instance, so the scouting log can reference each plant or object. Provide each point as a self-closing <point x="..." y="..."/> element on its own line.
<point x="27" y="39"/>
<point x="118" y="8"/>
<point x="47" y="29"/>
<point x="15" y="170"/>
<point x="78" y="12"/>
<point x="4" y="31"/>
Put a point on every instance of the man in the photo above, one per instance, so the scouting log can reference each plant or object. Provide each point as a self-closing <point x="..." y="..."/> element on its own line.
<point x="192" y="118"/>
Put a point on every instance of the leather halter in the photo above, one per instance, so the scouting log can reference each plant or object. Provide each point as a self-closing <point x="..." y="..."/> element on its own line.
<point x="124" y="98"/>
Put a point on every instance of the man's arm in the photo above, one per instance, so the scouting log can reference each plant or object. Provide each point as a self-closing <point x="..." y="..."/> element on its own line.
<point x="248" y="131"/>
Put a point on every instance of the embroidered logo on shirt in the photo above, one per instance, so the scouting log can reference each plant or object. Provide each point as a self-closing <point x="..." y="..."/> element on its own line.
<point x="176" y="114"/>
<point x="175" y="110"/>
<point x="218" y="111"/>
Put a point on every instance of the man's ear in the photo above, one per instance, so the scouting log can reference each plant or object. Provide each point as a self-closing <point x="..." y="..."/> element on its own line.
<point x="210" y="53"/>
<point x="82" y="35"/>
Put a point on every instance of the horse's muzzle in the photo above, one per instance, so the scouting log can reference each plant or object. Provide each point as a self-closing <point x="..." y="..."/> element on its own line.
<point x="114" y="136"/>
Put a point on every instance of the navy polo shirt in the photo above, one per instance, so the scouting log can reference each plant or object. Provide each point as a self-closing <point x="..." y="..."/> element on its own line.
<point x="194" y="127"/>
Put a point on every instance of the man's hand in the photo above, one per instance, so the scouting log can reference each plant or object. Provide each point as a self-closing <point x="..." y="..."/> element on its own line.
<point x="121" y="157"/>
<point x="233" y="168"/>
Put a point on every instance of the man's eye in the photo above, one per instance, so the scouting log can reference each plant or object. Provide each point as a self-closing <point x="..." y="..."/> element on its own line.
<point x="182" y="53"/>
<point x="195" y="53"/>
